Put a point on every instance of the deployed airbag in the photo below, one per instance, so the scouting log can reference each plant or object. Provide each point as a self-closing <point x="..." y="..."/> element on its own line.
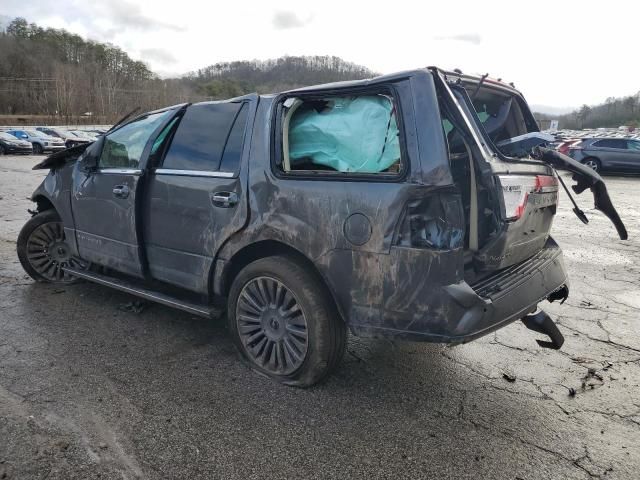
<point x="356" y="134"/>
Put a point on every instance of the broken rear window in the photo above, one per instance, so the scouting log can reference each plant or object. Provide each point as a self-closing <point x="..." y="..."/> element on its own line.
<point x="500" y="114"/>
<point x="346" y="134"/>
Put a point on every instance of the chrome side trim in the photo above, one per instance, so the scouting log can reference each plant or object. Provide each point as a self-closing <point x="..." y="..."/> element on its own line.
<point x="194" y="173"/>
<point x="122" y="171"/>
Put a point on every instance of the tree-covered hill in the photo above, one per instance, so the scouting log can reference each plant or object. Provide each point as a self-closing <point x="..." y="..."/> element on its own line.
<point x="614" y="112"/>
<point x="52" y="72"/>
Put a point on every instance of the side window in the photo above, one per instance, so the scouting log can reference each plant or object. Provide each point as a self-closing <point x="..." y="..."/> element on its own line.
<point x="634" y="145"/>
<point x="611" y="143"/>
<point x="341" y="134"/>
<point x="233" y="149"/>
<point x="201" y="136"/>
<point x="123" y="148"/>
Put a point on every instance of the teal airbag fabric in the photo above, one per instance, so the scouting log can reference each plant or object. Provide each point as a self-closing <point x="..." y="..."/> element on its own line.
<point x="358" y="134"/>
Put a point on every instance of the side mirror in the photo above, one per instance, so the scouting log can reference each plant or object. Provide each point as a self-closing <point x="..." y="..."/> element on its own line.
<point x="91" y="156"/>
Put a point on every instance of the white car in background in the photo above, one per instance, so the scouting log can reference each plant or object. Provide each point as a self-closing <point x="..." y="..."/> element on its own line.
<point x="88" y="136"/>
<point x="41" y="141"/>
<point x="69" y="138"/>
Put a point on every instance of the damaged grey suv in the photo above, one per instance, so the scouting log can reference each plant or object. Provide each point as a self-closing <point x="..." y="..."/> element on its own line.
<point x="416" y="206"/>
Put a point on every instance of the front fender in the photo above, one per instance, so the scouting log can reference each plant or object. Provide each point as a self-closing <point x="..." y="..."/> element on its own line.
<point x="55" y="191"/>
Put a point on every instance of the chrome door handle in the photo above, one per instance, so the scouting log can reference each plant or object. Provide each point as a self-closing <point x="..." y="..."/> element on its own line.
<point x="224" y="199"/>
<point x="121" y="191"/>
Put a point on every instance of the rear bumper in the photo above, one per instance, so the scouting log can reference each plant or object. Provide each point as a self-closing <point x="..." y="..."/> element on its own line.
<point x="465" y="312"/>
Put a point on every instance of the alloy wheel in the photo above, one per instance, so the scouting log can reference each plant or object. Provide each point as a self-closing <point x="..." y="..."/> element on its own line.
<point x="49" y="254"/>
<point x="592" y="164"/>
<point x="272" y="326"/>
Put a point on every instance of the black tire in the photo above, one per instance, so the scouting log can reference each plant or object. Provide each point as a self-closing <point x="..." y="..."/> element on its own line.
<point x="593" y="163"/>
<point x="276" y="283"/>
<point x="2" y="150"/>
<point x="37" y="149"/>
<point x="43" y="252"/>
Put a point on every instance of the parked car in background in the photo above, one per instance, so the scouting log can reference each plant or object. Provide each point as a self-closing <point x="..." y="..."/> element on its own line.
<point x="41" y="141"/>
<point x="11" y="144"/>
<point x="564" y="146"/>
<point x="70" y="139"/>
<point x="84" y="135"/>
<point x="608" y="154"/>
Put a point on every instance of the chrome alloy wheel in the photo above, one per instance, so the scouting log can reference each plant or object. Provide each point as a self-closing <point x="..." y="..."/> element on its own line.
<point x="272" y="326"/>
<point x="48" y="253"/>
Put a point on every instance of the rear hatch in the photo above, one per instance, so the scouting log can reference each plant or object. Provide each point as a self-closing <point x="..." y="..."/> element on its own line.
<point x="513" y="192"/>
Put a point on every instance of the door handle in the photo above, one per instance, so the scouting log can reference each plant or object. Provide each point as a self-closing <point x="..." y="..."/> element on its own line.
<point x="121" y="191"/>
<point x="224" y="199"/>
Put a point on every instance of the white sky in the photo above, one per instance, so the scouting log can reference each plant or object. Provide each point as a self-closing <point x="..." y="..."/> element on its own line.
<point x="558" y="53"/>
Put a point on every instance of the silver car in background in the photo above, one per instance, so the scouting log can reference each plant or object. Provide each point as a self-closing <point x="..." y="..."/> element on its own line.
<point x="41" y="141"/>
<point x="69" y="138"/>
<point x="608" y="154"/>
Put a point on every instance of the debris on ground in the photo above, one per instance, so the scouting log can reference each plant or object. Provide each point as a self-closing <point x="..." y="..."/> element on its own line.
<point x="592" y="379"/>
<point x="136" y="306"/>
<point x="509" y="377"/>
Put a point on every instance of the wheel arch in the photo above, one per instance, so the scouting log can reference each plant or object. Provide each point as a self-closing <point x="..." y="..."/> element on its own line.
<point x="262" y="249"/>
<point x="592" y="157"/>
<point x="43" y="203"/>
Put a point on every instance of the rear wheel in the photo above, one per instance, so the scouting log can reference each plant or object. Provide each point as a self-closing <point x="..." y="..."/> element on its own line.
<point x="37" y="148"/>
<point x="2" y="150"/>
<point x="284" y="322"/>
<point x="592" y="163"/>
<point x="43" y="251"/>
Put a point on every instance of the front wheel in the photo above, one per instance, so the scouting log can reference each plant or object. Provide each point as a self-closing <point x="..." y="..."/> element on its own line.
<point x="37" y="148"/>
<point x="43" y="251"/>
<point x="593" y="164"/>
<point x="284" y="322"/>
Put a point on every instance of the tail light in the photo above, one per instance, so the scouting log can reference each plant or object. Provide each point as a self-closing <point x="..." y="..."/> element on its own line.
<point x="435" y="221"/>
<point x="517" y="188"/>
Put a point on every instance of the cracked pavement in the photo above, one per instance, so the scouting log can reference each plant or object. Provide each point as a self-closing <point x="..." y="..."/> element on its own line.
<point x="88" y="390"/>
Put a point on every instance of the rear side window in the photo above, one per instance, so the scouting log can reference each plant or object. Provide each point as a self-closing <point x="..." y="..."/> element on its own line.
<point x="611" y="143"/>
<point x="202" y="134"/>
<point x="233" y="150"/>
<point x="350" y="134"/>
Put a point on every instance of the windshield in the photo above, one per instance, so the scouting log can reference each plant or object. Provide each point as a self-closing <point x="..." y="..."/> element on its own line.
<point x="8" y="137"/>
<point x="34" y="133"/>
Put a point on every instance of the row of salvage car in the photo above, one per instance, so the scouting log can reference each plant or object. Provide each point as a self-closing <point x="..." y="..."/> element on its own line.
<point x="38" y="140"/>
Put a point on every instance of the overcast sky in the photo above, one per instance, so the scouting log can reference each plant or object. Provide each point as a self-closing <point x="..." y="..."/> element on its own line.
<point x="558" y="53"/>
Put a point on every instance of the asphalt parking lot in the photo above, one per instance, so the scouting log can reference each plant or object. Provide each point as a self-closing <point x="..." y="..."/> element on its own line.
<point x="90" y="389"/>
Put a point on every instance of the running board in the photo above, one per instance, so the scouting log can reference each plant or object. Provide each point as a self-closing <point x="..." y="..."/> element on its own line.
<point x="164" y="299"/>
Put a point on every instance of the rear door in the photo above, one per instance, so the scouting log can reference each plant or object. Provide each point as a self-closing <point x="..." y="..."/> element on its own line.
<point x="196" y="196"/>
<point x="104" y="200"/>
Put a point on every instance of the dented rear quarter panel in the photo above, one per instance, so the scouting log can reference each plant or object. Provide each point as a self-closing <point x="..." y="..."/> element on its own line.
<point x="374" y="282"/>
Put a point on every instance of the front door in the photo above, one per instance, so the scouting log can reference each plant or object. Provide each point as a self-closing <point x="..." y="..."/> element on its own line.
<point x="105" y="200"/>
<point x="632" y="156"/>
<point x="196" y="195"/>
